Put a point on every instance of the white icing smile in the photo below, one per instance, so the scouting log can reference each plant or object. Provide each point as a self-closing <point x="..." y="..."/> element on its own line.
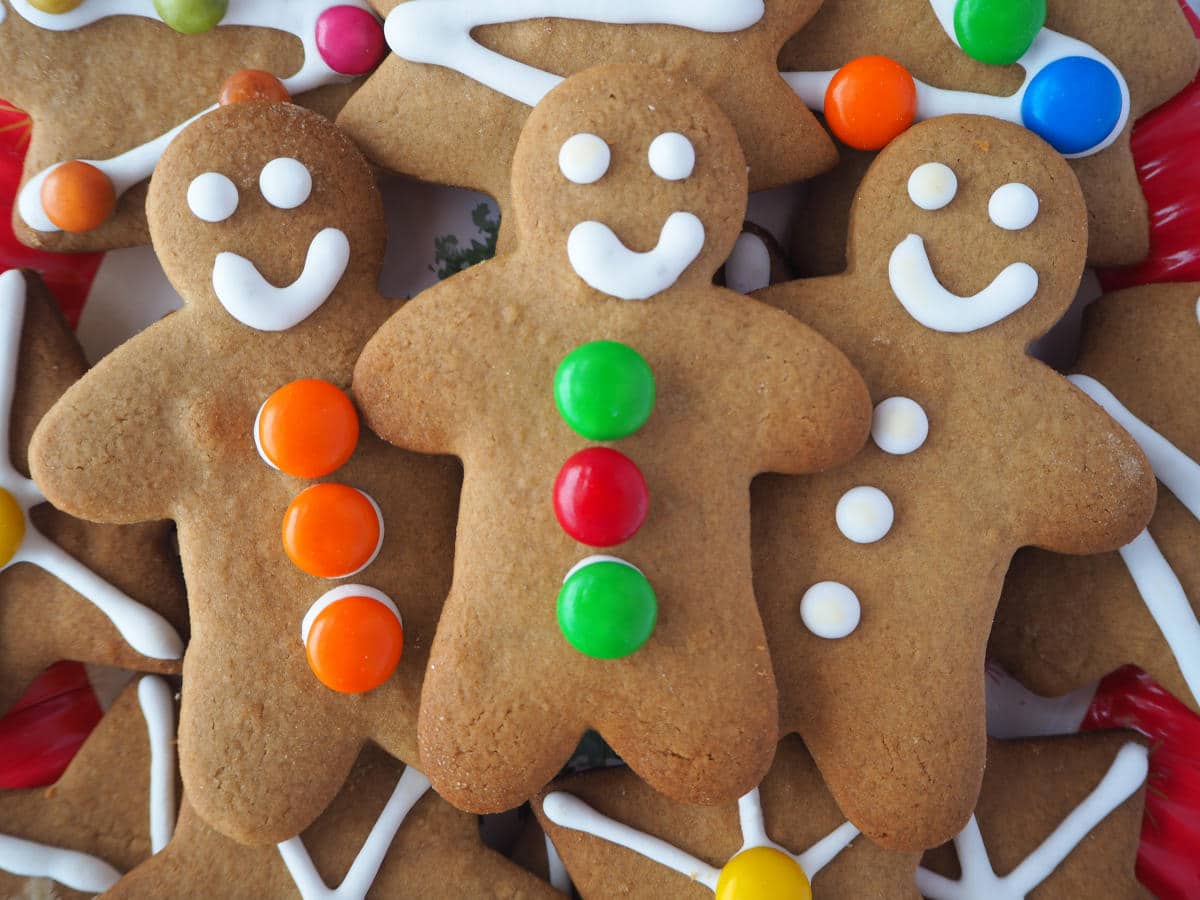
<point x="250" y="299"/>
<point x="926" y="300"/>
<point x="600" y="259"/>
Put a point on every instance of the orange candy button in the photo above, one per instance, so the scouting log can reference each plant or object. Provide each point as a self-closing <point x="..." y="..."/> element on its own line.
<point x="78" y="197"/>
<point x="308" y="428"/>
<point x="354" y="638"/>
<point x="870" y="101"/>
<point x="253" y="84"/>
<point x="332" y="531"/>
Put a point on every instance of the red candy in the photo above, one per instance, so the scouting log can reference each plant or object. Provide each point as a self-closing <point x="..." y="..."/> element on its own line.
<point x="600" y="497"/>
<point x="870" y="101"/>
<point x="350" y="40"/>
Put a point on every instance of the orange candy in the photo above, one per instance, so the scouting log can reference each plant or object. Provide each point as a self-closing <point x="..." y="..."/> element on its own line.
<point x="332" y="531"/>
<point x="870" y="101"/>
<point x="78" y="197"/>
<point x="308" y="428"/>
<point x="354" y="643"/>
<point x="253" y="84"/>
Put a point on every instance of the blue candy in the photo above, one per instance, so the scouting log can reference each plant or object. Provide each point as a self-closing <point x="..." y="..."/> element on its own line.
<point x="1074" y="103"/>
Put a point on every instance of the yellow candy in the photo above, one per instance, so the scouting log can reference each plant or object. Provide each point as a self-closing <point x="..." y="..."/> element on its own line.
<point x="763" y="873"/>
<point x="12" y="527"/>
<point x="55" y="7"/>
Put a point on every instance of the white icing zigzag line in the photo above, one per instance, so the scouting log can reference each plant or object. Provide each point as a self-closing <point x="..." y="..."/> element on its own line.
<point x="158" y="711"/>
<point x="411" y="788"/>
<point x="568" y="811"/>
<point x="143" y="629"/>
<point x="439" y="32"/>
<point x="1156" y="581"/>
<point x="926" y="300"/>
<point x="77" y="871"/>
<point x="298" y="17"/>
<point x="600" y="259"/>
<point x="980" y="882"/>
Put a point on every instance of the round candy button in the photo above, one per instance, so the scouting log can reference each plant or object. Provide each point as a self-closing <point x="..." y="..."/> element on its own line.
<point x="332" y="531"/>
<point x="252" y="84"/>
<point x="353" y="637"/>
<point x="78" y="197"/>
<point x="600" y="497"/>
<point x="998" y="32"/>
<point x="1074" y="104"/>
<point x="55" y="7"/>
<point x="606" y="608"/>
<point x="12" y="527"/>
<point x="763" y="873"/>
<point x="349" y="39"/>
<point x="191" y="16"/>
<point x="308" y="428"/>
<point x="870" y="101"/>
<point x="604" y="390"/>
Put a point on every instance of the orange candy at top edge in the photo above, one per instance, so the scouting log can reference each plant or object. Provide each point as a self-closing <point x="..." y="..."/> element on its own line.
<point x="331" y="530"/>
<point x="78" y="197"/>
<point x="308" y="428"/>
<point x="870" y="101"/>
<point x="253" y="84"/>
<point x="354" y="644"/>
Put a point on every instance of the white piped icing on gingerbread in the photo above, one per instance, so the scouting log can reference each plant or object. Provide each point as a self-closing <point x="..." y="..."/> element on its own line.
<point x="932" y="186"/>
<point x="899" y="426"/>
<point x="1013" y="207"/>
<point x="604" y="263"/>
<point x="830" y="610"/>
<point x="865" y="514"/>
<point x="584" y="158"/>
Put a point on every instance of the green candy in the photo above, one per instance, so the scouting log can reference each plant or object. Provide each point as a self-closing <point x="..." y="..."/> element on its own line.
<point x="604" y="390"/>
<point x="998" y="32"/>
<point x="607" y="609"/>
<point x="192" y="16"/>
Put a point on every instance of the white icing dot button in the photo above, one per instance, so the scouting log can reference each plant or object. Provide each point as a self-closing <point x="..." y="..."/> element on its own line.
<point x="672" y="157"/>
<point x="830" y="610"/>
<point x="865" y="515"/>
<point x="1013" y="207"/>
<point x="932" y="186"/>
<point x="899" y="426"/>
<point x="285" y="183"/>
<point x="584" y="159"/>
<point x="212" y="197"/>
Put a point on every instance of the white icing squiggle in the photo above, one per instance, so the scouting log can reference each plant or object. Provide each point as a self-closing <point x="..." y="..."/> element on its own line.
<point x="980" y="882"/>
<point x="918" y="289"/>
<point x="158" y="711"/>
<point x="410" y="789"/>
<point x="438" y="32"/>
<point x="600" y="259"/>
<point x="77" y="871"/>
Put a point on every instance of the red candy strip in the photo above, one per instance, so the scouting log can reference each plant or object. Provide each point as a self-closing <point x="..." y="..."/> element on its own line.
<point x="45" y="728"/>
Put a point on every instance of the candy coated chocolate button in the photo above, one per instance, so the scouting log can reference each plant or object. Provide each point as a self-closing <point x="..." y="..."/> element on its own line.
<point x="606" y="608"/>
<point x="763" y="873"/>
<point x="350" y="40"/>
<point x="1073" y="104"/>
<point x="191" y="16"/>
<point x="600" y="497"/>
<point x="354" y="644"/>
<point x="870" y="101"/>
<point x="12" y="527"/>
<point x="998" y="32"/>
<point x="332" y="531"/>
<point x="252" y="84"/>
<point x="604" y="390"/>
<point x="55" y="7"/>
<point x="78" y="197"/>
<point x="308" y="428"/>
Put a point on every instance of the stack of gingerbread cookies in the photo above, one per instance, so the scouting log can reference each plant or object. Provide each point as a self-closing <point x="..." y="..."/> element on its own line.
<point x="759" y="541"/>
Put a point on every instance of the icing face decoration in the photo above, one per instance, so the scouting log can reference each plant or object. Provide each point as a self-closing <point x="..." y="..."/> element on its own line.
<point x="20" y="542"/>
<point x="1013" y="207"/>
<point x="341" y="39"/>
<point x="1073" y="96"/>
<point x="761" y="870"/>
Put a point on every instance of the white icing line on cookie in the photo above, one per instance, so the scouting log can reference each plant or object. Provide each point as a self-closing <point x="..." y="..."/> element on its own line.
<point x="253" y="301"/>
<point x="158" y="710"/>
<point x="143" y="629"/>
<point x="926" y="300"/>
<point x="600" y="259"/>
<point x="560" y="879"/>
<point x="358" y="881"/>
<point x="980" y="882"/>
<point x="438" y="32"/>
<point x="77" y="871"/>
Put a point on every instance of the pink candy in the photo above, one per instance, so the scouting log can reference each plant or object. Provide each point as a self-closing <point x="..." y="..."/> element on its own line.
<point x="349" y="39"/>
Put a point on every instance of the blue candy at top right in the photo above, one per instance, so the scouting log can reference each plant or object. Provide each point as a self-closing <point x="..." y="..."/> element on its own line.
<point x="1074" y="103"/>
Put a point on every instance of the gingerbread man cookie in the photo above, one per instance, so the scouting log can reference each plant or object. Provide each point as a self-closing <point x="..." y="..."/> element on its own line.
<point x="1064" y="622"/>
<point x="317" y="558"/>
<point x="878" y="581"/>
<point x="1077" y="74"/>
<point x="471" y="70"/>
<point x="66" y="585"/>
<point x="609" y="423"/>
<point x="83" y="186"/>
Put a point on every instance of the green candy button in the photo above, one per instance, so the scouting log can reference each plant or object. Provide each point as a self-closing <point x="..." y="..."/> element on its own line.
<point x="998" y="32"/>
<point x="607" y="609"/>
<point x="192" y="16"/>
<point x="604" y="390"/>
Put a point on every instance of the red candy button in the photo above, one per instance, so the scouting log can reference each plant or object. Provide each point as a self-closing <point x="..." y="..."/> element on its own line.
<point x="354" y="638"/>
<point x="308" y="428"/>
<point x="870" y="101"/>
<point x="600" y="497"/>
<point x="349" y="39"/>
<point x="332" y="531"/>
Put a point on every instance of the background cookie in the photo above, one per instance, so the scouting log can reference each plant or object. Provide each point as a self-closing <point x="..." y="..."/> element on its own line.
<point x="1066" y="622"/>
<point x="880" y="579"/>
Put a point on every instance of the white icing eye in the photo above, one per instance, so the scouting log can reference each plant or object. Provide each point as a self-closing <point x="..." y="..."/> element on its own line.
<point x="830" y="610"/>
<point x="672" y="157"/>
<point x="899" y="426"/>
<point x="1013" y="207"/>
<point x="865" y="515"/>
<point x="932" y="186"/>
<point x="584" y="159"/>
<point x="285" y="183"/>
<point x="212" y="197"/>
